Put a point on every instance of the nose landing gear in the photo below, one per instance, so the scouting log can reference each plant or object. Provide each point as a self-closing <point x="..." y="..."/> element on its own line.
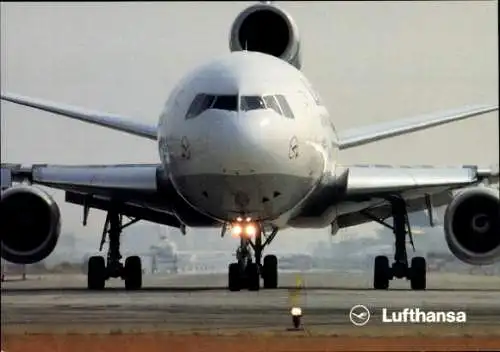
<point x="246" y="273"/>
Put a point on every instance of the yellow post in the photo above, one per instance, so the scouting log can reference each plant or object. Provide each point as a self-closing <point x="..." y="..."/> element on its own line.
<point x="295" y="302"/>
<point x="295" y="294"/>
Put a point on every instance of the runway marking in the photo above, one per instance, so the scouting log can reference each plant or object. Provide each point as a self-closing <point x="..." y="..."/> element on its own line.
<point x="79" y="290"/>
<point x="214" y="309"/>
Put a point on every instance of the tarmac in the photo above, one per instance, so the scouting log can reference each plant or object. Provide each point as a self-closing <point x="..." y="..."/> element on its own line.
<point x="201" y="303"/>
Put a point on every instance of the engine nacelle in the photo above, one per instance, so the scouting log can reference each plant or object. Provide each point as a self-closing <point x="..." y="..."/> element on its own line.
<point x="30" y="225"/>
<point x="471" y="225"/>
<point x="266" y="29"/>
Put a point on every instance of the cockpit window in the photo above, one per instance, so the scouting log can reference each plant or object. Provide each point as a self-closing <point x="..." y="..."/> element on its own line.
<point x="248" y="103"/>
<point x="200" y="103"/>
<point x="287" y="111"/>
<point x="277" y="103"/>
<point x="271" y="103"/>
<point x="226" y="102"/>
<point x="204" y="102"/>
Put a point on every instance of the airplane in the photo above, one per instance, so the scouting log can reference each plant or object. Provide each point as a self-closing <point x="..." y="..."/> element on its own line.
<point x="246" y="145"/>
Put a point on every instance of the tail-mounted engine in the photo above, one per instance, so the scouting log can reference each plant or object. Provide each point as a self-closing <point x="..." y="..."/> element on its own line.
<point x="471" y="225"/>
<point x="266" y="29"/>
<point x="30" y="224"/>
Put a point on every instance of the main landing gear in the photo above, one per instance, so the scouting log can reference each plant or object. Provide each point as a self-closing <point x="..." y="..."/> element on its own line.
<point x="383" y="272"/>
<point x="100" y="270"/>
<point x="246" y="273"/>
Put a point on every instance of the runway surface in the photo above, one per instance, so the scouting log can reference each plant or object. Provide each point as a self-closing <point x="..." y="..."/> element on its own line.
<point x="201" y="303"/>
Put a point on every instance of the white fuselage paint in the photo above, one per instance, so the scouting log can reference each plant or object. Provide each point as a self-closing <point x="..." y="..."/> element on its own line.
<point x="225" y="153"/>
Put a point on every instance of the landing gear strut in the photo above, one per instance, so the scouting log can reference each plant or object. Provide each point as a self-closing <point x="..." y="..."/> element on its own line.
<point x="246" y="272"/>
<point x="100" y="270"/>
<point x="383" y="272"/>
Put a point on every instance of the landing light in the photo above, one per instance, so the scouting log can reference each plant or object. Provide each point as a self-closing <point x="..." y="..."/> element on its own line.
<point x="250" y="230"/>
<point x="236" y="230"/>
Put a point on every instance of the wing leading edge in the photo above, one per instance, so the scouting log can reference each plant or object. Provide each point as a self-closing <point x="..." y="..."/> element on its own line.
<point x="421" y="187"/>
<point x="141" y="191"/>
<point x="382" y="180"/>
<point x="367" y="188"/>
<point x="132" y="189"/>
<point x="124" y="180"/>
<point x="112" y="121"/>
<point x="363" y="135"/>
<point x="347" y="139"/>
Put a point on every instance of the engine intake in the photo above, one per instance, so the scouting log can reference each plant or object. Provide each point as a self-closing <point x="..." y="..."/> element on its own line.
<point x="30" y="224"/>
<point x="269" y="30"/>
<point x="471" y="225"/>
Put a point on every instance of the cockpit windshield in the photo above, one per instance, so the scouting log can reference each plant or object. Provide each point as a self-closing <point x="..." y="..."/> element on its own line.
<point x="271" y="103"/>
<point x="248" y="103"/>
<point x="203" y="102"/>
<point x="277" y="103"/>
<point x="287" y="111"/>
<point x="200" y="103"/>
<point x="226" y="102"/>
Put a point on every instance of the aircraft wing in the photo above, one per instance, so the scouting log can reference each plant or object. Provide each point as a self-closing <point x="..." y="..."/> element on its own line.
<point x="422" y="187"/>
<point x="360" y="193"/>
<point x="108" y="120"/>
<point x="135" y="190"/>
<point x="368" y="134"/>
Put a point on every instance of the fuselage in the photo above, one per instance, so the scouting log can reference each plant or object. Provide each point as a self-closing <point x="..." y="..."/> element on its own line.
<point x="245" y="136"/>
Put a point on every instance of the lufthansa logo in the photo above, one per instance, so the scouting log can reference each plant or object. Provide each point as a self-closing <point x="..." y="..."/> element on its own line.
<point x="293" y="149"/>
<point x="185" y="148"/>
<point x="359" y="315"/>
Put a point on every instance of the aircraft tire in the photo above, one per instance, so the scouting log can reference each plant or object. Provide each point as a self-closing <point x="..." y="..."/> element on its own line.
<point x="418" y="273"/>
<point x="133" y="273"/>
<point x="381" y="273"/>
<point x="96" y="273"/>
<point x="270" y="272"/>
<point x="234" y="277"/>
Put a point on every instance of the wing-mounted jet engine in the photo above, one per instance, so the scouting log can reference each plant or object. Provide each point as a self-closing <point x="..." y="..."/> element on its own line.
<point x="472" y="226"/>
<point x="267" y="29"/>
<point x="30" y="225"/>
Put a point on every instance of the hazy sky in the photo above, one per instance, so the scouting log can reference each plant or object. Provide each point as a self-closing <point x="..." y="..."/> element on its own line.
<point x="370" y="62"/>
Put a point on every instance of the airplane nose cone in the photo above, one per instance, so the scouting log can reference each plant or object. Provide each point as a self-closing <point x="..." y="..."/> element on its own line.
<point x="247" y="144"/>
<point x="245" y="165"/>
